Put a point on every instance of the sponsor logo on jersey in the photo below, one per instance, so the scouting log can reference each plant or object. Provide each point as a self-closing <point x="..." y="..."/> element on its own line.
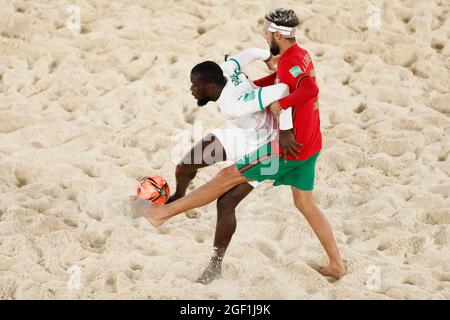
<point x="235" y="78"/>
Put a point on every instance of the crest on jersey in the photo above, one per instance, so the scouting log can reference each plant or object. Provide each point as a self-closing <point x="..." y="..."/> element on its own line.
<point x="249" y="96"/>
<point x="295" y="71"/>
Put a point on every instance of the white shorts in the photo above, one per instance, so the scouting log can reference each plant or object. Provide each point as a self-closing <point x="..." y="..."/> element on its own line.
<point x="238" y="143"/>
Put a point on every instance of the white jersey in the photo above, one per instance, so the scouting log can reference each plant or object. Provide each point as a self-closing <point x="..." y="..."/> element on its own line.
<point x="250" y="125"/>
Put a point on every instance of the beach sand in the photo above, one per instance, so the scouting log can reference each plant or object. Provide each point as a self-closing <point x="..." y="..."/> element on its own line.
<point x="85" y="114"/>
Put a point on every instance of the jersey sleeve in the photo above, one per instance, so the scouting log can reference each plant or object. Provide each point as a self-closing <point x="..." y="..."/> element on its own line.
<point x="266" y="81"/>
<point x="306" y="90"/>
<point x="246" y="57"/>
<point x="303" y="86"/>
<point x="258" y="99"/>
<point x="286" y="119"/>
<point x="228" y="67"/>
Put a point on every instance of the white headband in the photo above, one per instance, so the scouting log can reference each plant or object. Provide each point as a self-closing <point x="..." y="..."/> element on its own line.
<point x="286" y="32"/>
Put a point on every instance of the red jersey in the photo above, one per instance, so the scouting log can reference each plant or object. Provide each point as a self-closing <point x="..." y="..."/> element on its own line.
<point x="296" y="69"/>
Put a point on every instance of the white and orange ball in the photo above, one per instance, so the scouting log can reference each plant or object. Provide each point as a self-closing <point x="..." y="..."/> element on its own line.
<point x="154" y="189"/>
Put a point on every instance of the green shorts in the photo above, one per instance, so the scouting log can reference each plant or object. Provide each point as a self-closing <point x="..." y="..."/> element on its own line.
<point x="262" y="165"/>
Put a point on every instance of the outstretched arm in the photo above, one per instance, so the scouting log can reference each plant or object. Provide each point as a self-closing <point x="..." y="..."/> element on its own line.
<point x="241" y="60"/>
<point x="246" y="57"/>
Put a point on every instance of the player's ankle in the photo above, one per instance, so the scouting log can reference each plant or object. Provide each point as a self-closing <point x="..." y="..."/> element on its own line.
<point x="218" y="254"/>
<point x="177" y="195"/>
<point x="216" y="261"/>
<point x="337" y="264"/>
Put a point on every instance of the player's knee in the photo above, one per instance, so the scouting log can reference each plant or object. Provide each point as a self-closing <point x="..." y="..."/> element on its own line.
<point x="226" y="215"/>
<point x="228" y="174"/>
<point x="299" y="205"/>
<point x="183" y="169"/>
<point x="180" y="169"/>
<point x="226" y="204"/>
<point x="225" y="210"/>
<point x="303" y="204"/>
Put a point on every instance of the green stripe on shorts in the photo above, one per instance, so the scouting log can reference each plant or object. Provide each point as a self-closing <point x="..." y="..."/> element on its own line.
<point x="262" y="165"/>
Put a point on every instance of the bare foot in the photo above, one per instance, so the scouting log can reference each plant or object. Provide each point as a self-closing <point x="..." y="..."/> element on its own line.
<point x="152" y="212"/>
<point x="333" y="270"/>
<point x="212" y="272"/>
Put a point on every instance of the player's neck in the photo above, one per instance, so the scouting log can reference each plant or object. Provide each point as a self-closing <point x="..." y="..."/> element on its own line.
<point x="218" y="92"/>
<point x="285" y="46"/>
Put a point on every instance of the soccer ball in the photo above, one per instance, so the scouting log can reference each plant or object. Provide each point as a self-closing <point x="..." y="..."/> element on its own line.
<point x="154" y="189"/>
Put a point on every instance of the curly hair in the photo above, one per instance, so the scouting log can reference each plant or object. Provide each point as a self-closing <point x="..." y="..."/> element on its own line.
<point x="283" y="17"/>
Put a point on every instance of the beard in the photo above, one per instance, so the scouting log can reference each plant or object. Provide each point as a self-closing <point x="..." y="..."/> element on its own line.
<point x="274" y="48"/>
<point x="203" y="101"/>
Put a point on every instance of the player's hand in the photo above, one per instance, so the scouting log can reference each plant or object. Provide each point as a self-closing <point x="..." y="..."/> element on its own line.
<point x="289" y="144"/>
<point x="272" y="62"/>
<point x="276" y="108"/>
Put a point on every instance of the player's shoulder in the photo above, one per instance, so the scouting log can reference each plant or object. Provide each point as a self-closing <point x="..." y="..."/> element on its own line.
<point x="294" y="54"/>
<point x="227" y="67"/>
<point x="296" y="63"/>
<point x="287" y="62"/>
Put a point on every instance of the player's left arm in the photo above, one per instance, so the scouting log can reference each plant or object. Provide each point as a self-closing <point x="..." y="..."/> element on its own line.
<point x="306" y="89"/>
<point x="248" y="56"/>
<point x="302" y="80"/>
<point x="258" y="99"/>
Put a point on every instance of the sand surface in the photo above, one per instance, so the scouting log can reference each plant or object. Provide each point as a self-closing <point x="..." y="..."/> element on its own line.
<point x="83" y="115"/>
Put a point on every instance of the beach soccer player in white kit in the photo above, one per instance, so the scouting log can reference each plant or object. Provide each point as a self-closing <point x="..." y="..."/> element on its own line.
<point x="249" y="127"/>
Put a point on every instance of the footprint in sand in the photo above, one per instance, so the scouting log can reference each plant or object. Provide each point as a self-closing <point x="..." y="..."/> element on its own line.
<point x="201" y="30"/>
<point x="71" y="223"/>
<point x="22" y="178"/>
<point x="441" y="276"/>
<point x="437" y="217"/>
<point x="136" y="267"/>
<point x="134" y="273"/>
<point x="111" y="284"/>
<point x="266" y="248"/>
<point x="442" y="237"/>
<point x="173" y="59"/>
